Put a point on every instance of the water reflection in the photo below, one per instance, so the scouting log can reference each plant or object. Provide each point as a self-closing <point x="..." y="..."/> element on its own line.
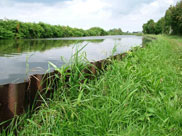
<point x="20" y="58"/>
<point x="16" y="47"/>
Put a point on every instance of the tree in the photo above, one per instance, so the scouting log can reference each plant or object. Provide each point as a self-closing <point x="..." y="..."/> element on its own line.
<point x="171" y="23"/>
<point x="97" y="31"/>
<point x="5" y="34"/>
<point x="159" y="27"/>
<point x="168" y="20"/>
<point x="115" y="31"/>
<point x="149" y="27"/>
<point x="176" y="22"/>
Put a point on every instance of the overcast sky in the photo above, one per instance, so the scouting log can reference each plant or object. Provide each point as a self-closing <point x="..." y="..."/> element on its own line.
<point x="129" y="15"/>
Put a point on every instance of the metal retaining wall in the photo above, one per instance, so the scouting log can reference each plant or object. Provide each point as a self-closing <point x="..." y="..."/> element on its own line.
<point x="16" y="98"/>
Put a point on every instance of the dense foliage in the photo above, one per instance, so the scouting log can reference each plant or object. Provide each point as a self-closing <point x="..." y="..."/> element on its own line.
<point x="11" y="29"/>
<point x="115" y="31"/>
<point x="171" y="23"/>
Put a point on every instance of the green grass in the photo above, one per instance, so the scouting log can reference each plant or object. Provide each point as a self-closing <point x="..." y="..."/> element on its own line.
<point x="140" y="95"/>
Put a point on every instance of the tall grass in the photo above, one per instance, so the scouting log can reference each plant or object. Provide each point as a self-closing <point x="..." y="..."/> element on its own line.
<point x="140" y="95"/>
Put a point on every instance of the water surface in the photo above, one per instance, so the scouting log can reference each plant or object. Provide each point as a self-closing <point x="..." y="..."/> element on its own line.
<point x="21" y="58"/>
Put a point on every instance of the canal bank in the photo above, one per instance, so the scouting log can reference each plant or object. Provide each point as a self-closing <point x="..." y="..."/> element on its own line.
<point x="17" y="96"/>
<point x="139" y="95"/>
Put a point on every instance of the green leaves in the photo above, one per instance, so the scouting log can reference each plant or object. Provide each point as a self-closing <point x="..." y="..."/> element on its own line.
<point x="5" y="34"/>
<point x="171" y="23"/>
<point x="16" y="29"/>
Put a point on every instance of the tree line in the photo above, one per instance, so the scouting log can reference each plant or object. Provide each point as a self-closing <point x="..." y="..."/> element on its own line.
<point x="171" y="23"/>
<point x="13" y="29"/>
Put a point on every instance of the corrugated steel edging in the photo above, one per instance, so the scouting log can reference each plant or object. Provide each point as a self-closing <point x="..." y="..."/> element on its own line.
<point x="16" y="98"/>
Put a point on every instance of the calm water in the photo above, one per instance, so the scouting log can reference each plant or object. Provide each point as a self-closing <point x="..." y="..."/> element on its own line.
<point x="21" y="58"/>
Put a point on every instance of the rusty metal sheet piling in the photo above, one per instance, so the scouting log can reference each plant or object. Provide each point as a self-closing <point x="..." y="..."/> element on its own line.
<point x="16" y="98"/>
<point x="11" y="100"/>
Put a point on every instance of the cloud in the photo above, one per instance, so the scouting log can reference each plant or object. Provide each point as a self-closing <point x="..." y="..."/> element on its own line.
<point x="126" y="14"/>
<point x="141" y="14"/>
<point x="40" y="1"/>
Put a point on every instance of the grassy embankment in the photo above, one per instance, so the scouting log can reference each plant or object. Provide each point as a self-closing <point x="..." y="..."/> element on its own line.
<point x="140" y="95"/>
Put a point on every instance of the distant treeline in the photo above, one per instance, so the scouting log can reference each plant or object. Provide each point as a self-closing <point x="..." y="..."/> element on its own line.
<point x="171" y="23"/>
<point x="13" y="29"/>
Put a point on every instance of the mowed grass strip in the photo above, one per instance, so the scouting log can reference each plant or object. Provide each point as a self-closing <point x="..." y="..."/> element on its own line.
<point x="140" y="95"/>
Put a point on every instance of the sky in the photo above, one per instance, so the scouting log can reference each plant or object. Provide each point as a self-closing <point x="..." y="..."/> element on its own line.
<point x="129" y="15"/>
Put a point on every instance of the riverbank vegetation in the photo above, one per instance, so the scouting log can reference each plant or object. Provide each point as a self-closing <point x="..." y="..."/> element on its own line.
<point x="13" y="29"/>
<point x="171" y="23"/>
<point x="139" y="95"/>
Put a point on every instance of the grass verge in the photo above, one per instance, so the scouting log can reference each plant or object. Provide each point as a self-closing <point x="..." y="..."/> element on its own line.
<point x="140" y="95"/>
